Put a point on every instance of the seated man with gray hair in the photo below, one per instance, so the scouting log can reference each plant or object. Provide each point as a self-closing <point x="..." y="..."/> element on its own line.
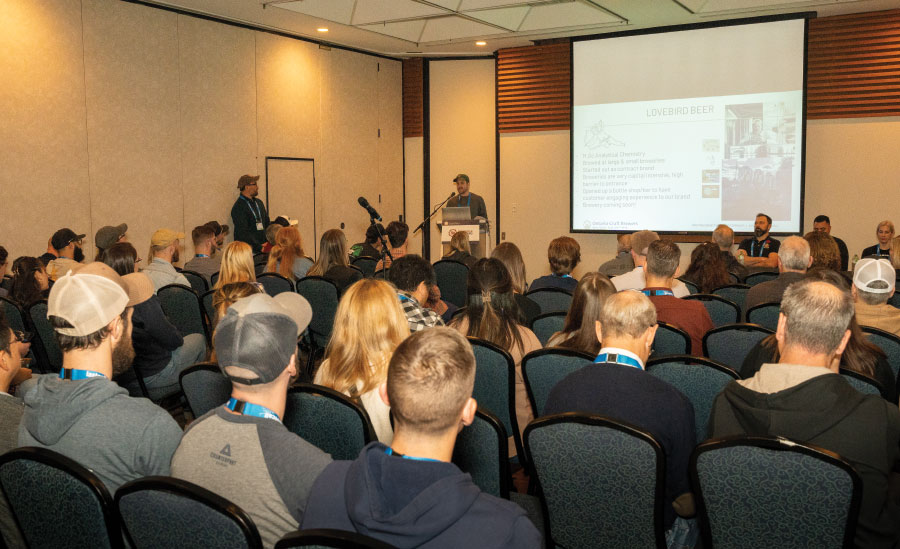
<point x="723" y="236"/>
<point x="634" y="279"/>
<point x="622" y="263"/>
<point x="805" y="399"/>
<point x="793" y="260"/>
<point x="873" y="286"/>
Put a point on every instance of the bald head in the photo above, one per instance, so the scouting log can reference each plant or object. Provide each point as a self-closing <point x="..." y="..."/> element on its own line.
<point x="794" y="254"/>
<point x="817" y="316"/>
<point x="723" y="236"/>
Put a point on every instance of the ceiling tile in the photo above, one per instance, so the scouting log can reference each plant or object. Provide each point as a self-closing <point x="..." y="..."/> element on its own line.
<point x="566" y="15"/>
<point x="468" y="5"/>
<point x="333" y="10"/>
<point x="455" y="28"/>
<point x="377" y="11"/>
<point x="406" y="30"/>
<point x="508" y="18"/>
<point x="449" y="4"/>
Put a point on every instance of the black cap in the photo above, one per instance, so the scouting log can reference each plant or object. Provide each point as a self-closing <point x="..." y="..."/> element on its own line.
<point x="63" y="238"/>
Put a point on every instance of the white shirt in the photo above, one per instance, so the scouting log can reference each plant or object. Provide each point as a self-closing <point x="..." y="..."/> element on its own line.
<point x="634" y="280"/>
<point x="623" y="352"/>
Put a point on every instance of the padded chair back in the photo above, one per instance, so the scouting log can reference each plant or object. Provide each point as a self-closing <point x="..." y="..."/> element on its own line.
<point x="863" y="384"/>
<point x="48" y="353"/>
<point x="889" y="343"/>
<point x="765" y="314"/>
<point x="365" y="264"/>
<point x="758" y="491"/>
<point x="720" y="310"/>
<point x="451" y="279"/>
<point x="382" y="274"/>
<point x="322" y="295"/>
<point x="329" y="420"/>
<point x="735" y="293"/>
<point x="551" y="300"/>
<point x="756" y="278"/>
<point x="198" y="283"/>
<point x="204" y="387"/>
<point x="482" y="451"/>
<point x="699" y="379"/>
<point x="328" y="538"/>
<point x="544" y="368"/>
<point x="603" y="482"/>
<point x="275" y="283"/>
<point x="690" y="286"/>
<point x="259" y="263"/>
<point x="170" y="512"/>
<point x="495" y="385"/>
<point x="14" y="315"/>
<point x="57" y="502"/>
<point x="208" y="309"/>
<point x="730" y="344"/>
<point x="547" y="324"/>
<point x="670" y="340"/>
<point x="213" y="278"/>
<point x="182" y="307"/>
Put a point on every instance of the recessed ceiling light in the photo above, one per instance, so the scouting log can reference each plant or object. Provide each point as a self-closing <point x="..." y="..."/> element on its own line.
<point x="322" y="29"/>
<point x="481" y="43"/>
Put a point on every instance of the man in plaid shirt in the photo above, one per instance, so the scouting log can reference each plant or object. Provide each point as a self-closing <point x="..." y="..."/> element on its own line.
<point x="413" y="275"/>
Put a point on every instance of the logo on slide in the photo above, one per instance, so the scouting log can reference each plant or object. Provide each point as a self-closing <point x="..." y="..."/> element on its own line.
<point x="596" y="137"/>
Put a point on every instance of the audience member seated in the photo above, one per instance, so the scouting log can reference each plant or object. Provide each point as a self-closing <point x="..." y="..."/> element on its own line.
<point x="762" y="249"/>
<point x="723" y="237"/>
<point x="165" y="250"/>
<point x="332" y="263"/>
<point x="564" y="254"/>
<point x="793" y="261"/>
<point x="616" y="386"/>
<point x="371" y="247"/>
<point x="4" y="261"/>
<point x="241" y="450"/>
<point x="122" y="258"/>
<point x="822" y="224"/>
<point x="398" y="239"/>
<point x="460" y="249"/>
<point x="509" y="254"/>
<point x="824" y="251"/>
<point x="50" y="254"/>
<point x="884" y="232"/>
<point x="623" y="262"/>
<point x="69" y="254"/>
<point x="895" y="254"/>
<point x="203" y="262"/>
<point x="286" y="257"/>
<point x="634" y="279"/>
<point x="803" y="398"/>
<point x="438" y="305"/>
<point x="228" y="294"/>
<point x="81" y="413"/>
<point x="368" y="326"/>
<point x="413" y="275"/>
<point x="861" y="356"/>
<point x="663" y="258"/>
<point x="873" y="286"/>
<point x="408" y="494"/>
<point x="107" y="236"/>
<point x="580" y="329"/>
<point x="707" y="270"/>
<point x="11" y="409"/>
<point x="30" y="282"/>
<point x="492" y="315"/>
<point x="271" y="231"/>
<point x="161" y="353"/>
<point x="237" y="266"/>
<point x="221" y="231"/>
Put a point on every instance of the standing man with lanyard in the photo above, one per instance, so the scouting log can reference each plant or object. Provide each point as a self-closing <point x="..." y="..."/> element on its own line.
<point x="762" y="250"/>
<point x="249" y="214"/>
<point x="465" y="198"/>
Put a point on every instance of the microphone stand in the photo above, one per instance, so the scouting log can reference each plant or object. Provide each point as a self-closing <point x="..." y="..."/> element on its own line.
<point x="424" y="221"/>
<point x="385" y="252"/>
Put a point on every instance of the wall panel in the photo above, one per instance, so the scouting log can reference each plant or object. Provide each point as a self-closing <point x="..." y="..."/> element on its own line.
<point x="390" y="122"/>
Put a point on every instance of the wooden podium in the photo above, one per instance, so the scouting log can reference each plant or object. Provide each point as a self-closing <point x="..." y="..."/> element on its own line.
<point x="479" y="235"/>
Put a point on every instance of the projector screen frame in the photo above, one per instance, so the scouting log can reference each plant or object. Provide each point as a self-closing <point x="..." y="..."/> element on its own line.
<point x="805" y="15"/>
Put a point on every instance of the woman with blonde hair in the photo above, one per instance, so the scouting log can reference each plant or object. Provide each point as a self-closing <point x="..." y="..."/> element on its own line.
<point x="885" y="234"/>
<point x="286" y="257"/>
<point x="509" y="254"/>
<point x="460" y="249"/>
<point x="368" y="326"/>
<point x="895" y="253"/>
<point x="237" y="266"/>
<point x="333" y="262"/>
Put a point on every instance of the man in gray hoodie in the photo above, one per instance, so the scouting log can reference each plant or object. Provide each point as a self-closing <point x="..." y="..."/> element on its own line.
<point x="81" y="413"/>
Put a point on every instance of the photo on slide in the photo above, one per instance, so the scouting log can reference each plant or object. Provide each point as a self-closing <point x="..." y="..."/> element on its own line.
<point x="758" y="160"/>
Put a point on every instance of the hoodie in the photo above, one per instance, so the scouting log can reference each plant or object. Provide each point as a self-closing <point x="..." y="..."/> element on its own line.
<point x="817" y="407"/>
<point x="96" y="423"/>
<point x="413" y="503"/>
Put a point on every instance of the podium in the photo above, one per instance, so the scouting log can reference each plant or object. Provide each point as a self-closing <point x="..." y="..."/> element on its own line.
<point x="479" y="235"/>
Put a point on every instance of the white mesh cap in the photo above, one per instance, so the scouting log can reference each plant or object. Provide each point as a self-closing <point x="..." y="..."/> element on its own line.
<point x="870" y="270"/>
<point x="86" y="301"/>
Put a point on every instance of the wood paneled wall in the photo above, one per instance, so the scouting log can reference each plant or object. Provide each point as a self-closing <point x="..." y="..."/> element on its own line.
<point x="534" y="88"/>
<point x="413" y="98"/>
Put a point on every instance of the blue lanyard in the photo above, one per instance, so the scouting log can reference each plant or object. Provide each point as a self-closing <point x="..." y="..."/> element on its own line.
<point x="390" y="452"/>
<point x="618" y="359"/>
<point x="249" y="409"/>
<point x="762" y="246"/>
<point x="649" y="293"/>
<point x="561" y="276"/>
<point x="254" y="209"/>
<point x="201" y="255"/>
<point x="459" y="200"/>
<point x="403" y="297"/>
<point x="880" y="252"/>
<point x="76" y="375"/>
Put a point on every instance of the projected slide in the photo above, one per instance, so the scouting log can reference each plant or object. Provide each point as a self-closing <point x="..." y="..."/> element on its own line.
<point x="681" y="131"/>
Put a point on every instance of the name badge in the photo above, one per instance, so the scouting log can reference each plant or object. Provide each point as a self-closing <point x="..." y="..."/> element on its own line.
<point x="259" y="227"/>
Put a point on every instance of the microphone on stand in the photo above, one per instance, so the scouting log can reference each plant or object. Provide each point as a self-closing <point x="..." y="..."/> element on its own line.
<point x="365" y="204"/>
<point x="424" y="221"/>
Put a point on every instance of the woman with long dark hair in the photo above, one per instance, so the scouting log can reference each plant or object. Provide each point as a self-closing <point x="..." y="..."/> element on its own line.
<point x="580" y="329"/>
<point x="333" y="262"/>
<point x="707" y="269"/>
<point x="30" y="281"/>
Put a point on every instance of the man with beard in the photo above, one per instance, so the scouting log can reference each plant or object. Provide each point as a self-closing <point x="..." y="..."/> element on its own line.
<point x="82" y="413"/>
<point x="165" y="249"/>
<point x="249" y="214"/>
<point x="204" y="238"/>
<point x="69" y="254"/>
<point x="761" y="251"/>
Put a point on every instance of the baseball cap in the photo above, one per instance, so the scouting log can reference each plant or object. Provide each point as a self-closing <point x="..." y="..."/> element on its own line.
<point x="63" y="237"/>
<point x="108" y="235"/>
<point x="164" y="237"/>
<point x="88" y="298"/>
<point x="870" y="270"/>
<point x="139" y="287"/>
<point x="461" y="176"/>
<point x="259" y="334"/>
<point x="247" y="180"/>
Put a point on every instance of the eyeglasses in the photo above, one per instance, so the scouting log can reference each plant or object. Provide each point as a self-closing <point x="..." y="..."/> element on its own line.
<point x="23" y="337"/>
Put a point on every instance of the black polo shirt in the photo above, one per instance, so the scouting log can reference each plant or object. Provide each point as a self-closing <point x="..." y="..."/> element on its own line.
<point x="755" y="248"/>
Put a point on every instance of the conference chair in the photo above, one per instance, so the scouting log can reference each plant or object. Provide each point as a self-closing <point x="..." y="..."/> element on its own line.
<point x="365" y="264"/>
<point x="182" y="307"/>
<point x="762" y="276"/>
<point x="169" y="512"/>
<point x="329" y="538"/>
<point x="198" y="283"/>
<point x="862" y="383"/>
<point x="57" y="502"/>
<point x="670" y="340"/>
<point x="14" y="315"/>
<point x="382" y="274"/>
<point x="551" y="300"/>
<point x="730" y="344"/>
<point x="544" y="368"/>
<point x="275" y="283"/>
<point x="495" y="386"/>
<point x="205" y="387"/>
<point x="547" y="324"/>
<point x="329" y="420"/>
<point x="699" y="379"/>
<point x="690" y="286"/>
<point x="482" y="451"/>
<point x="603" y="482"/>
<point x="760" y="491"/>
<point x="44" y="345"/>
<point x="213" y="279"/>
<point x="735" y="293"/>
<point x="720" y="310"/>
<point x="323" y="296"/>
<point x="451" y="279"/>
<point x="260" y="261"/>
<point x="207" y="301"/>
<point x="765" y="314"/>
<point x="889" y="343"/>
